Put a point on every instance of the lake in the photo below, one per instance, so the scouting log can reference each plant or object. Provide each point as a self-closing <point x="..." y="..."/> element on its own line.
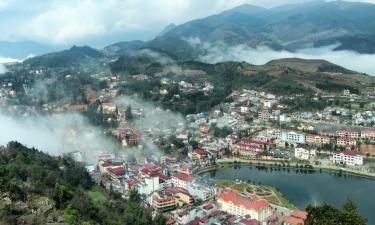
<point x="309" y="187"/>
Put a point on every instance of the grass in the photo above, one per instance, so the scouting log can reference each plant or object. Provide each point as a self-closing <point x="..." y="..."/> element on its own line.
<point x="271" y="194"/>
<point x="97" y="196"/>
<point x="283" y="199"/>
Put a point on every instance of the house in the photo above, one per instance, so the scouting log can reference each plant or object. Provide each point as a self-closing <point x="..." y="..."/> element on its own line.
<point x="304" y="153"/>
<point x="182" y="180"/>
<point x="347" y="133"/>
<point x="350" y="158"/>
<point x="238" y="204"/>
<point x="163" y="201"/>
<point x="199" y="155"/>
<point x="346" y="142"/>
<point x="368" y="134"/>
<point x="297" y="217"/>
<point x="116" y="172"/>
<point x="318" y="139"/>
<point x="288" y="136"/>
<point x="108" y="107"/>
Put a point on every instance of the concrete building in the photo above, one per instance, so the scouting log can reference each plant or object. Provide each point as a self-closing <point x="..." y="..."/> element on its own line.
<point x="237" y="204"/>
<point x="350" y="158"/>
<point x="304" y="153"/>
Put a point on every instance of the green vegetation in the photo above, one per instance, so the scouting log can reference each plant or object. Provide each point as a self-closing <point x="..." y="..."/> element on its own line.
<point x="97" y="196"/>
<point x="328" y="215"/>
<point x="30" y="177"/>
<point x="271" y="194"/>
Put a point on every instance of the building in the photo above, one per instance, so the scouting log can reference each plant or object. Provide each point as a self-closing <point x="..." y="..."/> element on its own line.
<point x="116" y="172"/>
<point x="368" y="134"/>
<point x="347" y="133"/>
<point x="289" y="136"/>
<point x="350" y="158"/>
<point x="108" y="107"/>
<point x="237" y="204"/>
<point x="264" y="115"/>
<point x="199" y="155"/>
<point x="163" y="201"/>
<point x="346" y="142"/>
<point x="304" y="153"/>
<point x="249" y="148"/>
<point x="182" y="180"/>
<point x="318" y="139"/>
<point x="203" y="192"/>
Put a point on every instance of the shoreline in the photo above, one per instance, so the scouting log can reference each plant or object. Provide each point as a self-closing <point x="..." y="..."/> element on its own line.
<point x="271" y="164"/>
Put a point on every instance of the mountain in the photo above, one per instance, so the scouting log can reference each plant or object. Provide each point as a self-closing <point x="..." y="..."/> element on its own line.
<point x="23" y="49"/>
<point x="289" y="27"/>
<point x="123" y="48"/>
<point x="75" y="56"/>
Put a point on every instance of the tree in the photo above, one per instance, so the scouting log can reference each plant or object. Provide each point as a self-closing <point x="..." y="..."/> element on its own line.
<point x="329" y="215"/>
<point x="71" y="216"/>
<point x="128" y="113"/>
<point x="160" y="220"/>
<point x="134" y="196"/>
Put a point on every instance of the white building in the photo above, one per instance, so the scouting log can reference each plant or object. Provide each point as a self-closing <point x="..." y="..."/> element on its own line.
<point x="304" y="153"/>
<point x="350" y="158"/>
<point x="182" y="180"/>
<point x="202" y="192"/>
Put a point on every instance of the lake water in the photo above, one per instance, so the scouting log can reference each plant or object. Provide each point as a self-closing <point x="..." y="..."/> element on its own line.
<point x="303" y="187"/>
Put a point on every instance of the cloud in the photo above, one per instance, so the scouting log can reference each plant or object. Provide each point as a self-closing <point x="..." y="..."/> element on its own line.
<point x="3" y="60"/>
<point x="220" y="52"/>
<point x="55" y="134"/>
<point x="68" y="22"/>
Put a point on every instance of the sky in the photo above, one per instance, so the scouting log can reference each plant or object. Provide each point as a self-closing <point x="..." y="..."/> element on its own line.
<point x="101" y="22"/>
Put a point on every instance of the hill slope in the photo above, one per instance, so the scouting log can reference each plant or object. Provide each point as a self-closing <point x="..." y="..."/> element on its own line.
<point x="288" y="27"/>
<point x="35" y="186"/>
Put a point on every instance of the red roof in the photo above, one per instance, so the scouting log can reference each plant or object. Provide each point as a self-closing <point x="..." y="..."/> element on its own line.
<point x="249" y="222"/>
<point x="208" y="206"/>
<point x="200" y="152"/>
<point x="184" y="177"/>
<point x="215" y="213"/>
<point x="293" y="220"/>
<point x="120" y="170"/>
<point x="249" y="202"/>
<point x="299" y="214"/>
<point x="348" y="152"/>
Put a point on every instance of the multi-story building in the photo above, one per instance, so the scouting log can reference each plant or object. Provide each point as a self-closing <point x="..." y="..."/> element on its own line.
<point x="318" y="139"/>
<point x="289" y="136"/>
<point x="347" y="133"/>
<point x="237" y="204"/>
<point x="346" y="142"/>
<point x="182" y="180"/>
<point x="350" y="158"/>
<point x="163" y="201"/>
<point x="304" y="153"/>
<point x="201" y="191"/>
<point x="368" y="134"/>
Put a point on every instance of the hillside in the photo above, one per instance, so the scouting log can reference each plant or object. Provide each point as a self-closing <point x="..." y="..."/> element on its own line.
<point x="74" y="56"/>
<point x="36" y="188"/>
<point x="288" y="27"/>
<point x="281" y="77"/>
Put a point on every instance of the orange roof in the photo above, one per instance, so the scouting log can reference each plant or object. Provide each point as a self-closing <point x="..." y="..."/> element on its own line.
<point x="249" y="202"/>
<point x="293" y="220"/>
<point x="299" y="214"/>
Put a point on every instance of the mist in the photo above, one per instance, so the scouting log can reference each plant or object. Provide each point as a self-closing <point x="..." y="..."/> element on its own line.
<point x="55" y="134"/>
<point x="153" y="118"/>
<point x="3" y="69"/>
<point x="220" y="52"/>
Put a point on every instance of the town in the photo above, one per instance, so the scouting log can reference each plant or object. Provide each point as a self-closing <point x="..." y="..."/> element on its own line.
<point x="249" y="128"/>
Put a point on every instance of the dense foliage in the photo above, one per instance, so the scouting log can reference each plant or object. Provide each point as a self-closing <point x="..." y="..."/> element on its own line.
<point x="29" y="177"/>
<point x="328" y="215"/>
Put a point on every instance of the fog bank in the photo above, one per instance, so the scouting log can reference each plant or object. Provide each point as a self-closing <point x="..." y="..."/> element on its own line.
<point x="220" y="52"/>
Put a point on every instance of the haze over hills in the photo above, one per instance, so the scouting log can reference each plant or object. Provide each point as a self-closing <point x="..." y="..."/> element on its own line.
<point x="288" y="27"/>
